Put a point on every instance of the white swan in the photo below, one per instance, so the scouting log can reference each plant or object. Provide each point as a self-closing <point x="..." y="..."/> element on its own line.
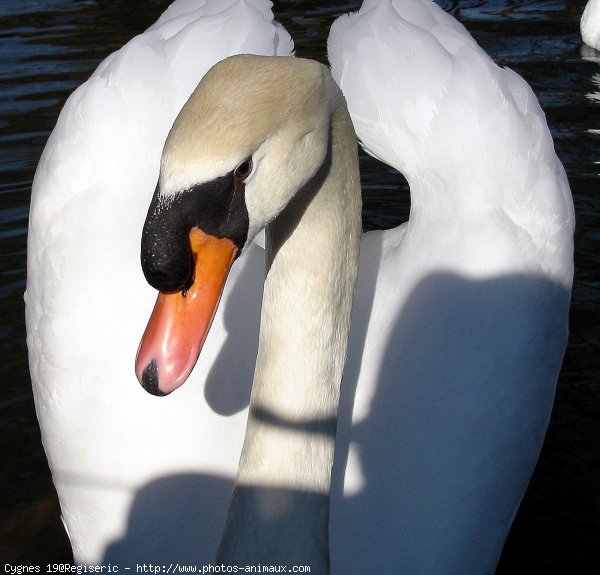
<point x="458" y="328"/>
<point x="590" y="24"/>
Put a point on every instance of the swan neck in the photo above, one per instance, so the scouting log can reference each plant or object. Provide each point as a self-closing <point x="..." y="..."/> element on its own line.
<point x="284" y="473"/>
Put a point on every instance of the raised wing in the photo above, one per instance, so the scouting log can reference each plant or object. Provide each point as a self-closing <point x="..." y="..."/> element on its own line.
<point x="426" y="99"/>
<point x="87" y="301"/>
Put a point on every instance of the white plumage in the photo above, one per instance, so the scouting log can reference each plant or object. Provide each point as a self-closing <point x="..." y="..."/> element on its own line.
<point x="87" y="300"/>
<point x="590" y="24"/>
<point x="459" y="323"/>
<point x="450" y="413"/>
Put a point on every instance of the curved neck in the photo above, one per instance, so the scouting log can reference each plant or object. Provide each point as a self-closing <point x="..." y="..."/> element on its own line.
<point x="280" y="507"/>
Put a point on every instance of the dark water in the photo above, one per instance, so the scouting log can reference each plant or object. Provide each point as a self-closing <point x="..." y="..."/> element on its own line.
<point x="48" y="47"/>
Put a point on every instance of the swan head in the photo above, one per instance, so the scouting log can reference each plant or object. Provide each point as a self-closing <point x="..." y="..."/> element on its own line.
<point x="252" y="134"/>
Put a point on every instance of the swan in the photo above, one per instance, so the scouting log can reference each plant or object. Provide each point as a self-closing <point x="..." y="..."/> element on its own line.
<point x="590" y="24"/>
<point x="455" y="335"/>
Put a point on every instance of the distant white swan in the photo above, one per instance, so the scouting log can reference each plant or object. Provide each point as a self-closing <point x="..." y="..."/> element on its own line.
<point x="458" y="326"/>
<point x="590" y="24"/>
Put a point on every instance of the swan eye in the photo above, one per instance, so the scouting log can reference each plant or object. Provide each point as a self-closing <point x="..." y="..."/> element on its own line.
<point x="243" y="170"/>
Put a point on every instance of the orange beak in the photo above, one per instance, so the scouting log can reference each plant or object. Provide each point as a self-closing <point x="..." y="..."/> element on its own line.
<point x="180" y="321"/>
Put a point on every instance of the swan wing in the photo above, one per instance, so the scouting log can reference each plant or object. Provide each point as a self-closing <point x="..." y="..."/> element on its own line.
<point x="107" y="441"/>
<point x="390" y="62"/>
<point x="462" y="313"/>
<point x="427" y="100"/>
